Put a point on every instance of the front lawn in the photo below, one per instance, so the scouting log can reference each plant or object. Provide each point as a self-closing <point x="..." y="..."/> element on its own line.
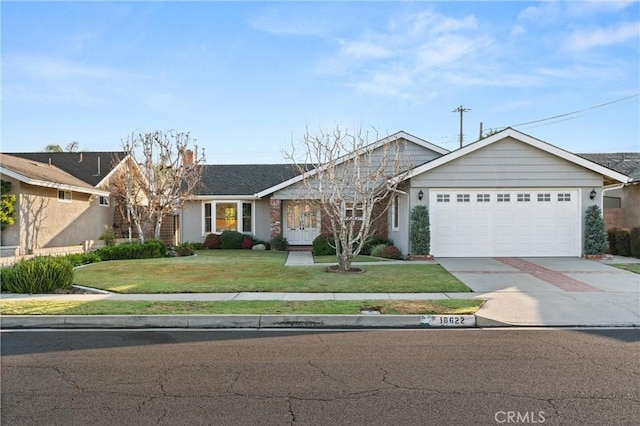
<point x="230" y="271"/>
<point x="633" y="267"/>
<point x="251" y="307"/>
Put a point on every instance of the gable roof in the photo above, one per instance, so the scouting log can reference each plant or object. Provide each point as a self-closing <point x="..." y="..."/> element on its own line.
<point x="242" y="179"/>
<point x="90" y="167"/>
<point x="627" y="163"/>
<point x="372" y="146"/>
<point x="42" y="174"/>
<point x="522" y="137"/>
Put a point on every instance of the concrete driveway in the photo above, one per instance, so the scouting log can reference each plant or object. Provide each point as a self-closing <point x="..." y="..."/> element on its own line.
<point x="549" y="291"/>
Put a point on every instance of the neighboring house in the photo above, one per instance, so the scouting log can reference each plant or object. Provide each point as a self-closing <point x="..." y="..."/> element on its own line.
<point x="505" y="195"/>
<point x="621" y="203"/>
<point x="62" y="198"/>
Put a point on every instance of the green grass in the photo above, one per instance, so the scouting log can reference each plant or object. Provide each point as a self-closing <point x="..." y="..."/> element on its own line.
<point x="228" y="271"/>
<point x="359" y="258"/>
<point x="453" y="307"/>
<point x="633" y="267"/>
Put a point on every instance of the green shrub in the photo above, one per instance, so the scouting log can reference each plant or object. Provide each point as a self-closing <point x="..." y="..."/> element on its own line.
<point x="231" y="240"/>
<point x="109" y="236"/>
<point x="194" y="246"/>
<point x="83" y="258"/>
<point x="38" y="275"/>
<point x="387" y="251"/>
<point x="279" y="243"/>
<point x="595" y="232"/>
<point x="611" y="238"/>
<point x="420" y="231"/>
<point x="212" y="241"/>
<point x="321" y="246"/>
<point x="372" y="241"/>
<point x="623" y="242"/>
<point x="183" y="249"/>
<point x="635" y="241"/>
<point x="148" y="250"/>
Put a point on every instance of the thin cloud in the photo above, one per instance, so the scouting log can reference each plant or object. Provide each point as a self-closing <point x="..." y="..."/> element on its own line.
<point x="50" y="68"/>
<point x="588" y="39"/>
<point x="365" y="49"/>
<point x="289" y="26"/>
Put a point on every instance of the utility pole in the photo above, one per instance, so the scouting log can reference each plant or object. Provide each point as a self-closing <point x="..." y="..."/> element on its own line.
<point x="461" y="110"/>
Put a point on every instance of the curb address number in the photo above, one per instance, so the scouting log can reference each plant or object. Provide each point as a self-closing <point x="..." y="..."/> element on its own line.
<point x="448" y="320"/>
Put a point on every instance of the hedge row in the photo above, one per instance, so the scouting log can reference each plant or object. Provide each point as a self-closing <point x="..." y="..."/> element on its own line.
<point x="624" y="242"/>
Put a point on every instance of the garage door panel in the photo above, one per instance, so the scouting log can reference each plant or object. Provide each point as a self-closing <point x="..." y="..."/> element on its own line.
<point x="519" y="225"/>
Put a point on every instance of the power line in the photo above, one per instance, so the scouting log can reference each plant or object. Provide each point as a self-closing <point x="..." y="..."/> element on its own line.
<point x="571" y="113"/>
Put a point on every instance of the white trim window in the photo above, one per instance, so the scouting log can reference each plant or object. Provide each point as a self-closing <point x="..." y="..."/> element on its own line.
<point x="104" y="201"/>
<point x="219" y="216"/>
<point x="64" y="196"/>
<point x="395" y="214"/>
<point x="353" y="210"/>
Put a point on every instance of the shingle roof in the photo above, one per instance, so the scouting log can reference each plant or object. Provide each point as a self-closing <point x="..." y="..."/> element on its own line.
<point x="43" y="174"/>
<point x="243" y="179"/>
<point x="82" y="165"/>
<point x="627" y="163"/>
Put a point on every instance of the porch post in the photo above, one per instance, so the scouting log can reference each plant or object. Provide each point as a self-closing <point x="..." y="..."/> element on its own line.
<point x="276" y="217"/>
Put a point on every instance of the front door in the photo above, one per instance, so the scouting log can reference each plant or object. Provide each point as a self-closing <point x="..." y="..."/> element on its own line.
<point x="302" y="222"/>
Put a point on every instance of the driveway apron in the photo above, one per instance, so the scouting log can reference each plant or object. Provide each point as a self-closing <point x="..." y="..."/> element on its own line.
<point x="550" y="291"/>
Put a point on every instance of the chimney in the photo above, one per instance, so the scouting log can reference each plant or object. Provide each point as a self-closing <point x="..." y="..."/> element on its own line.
<point x="188" y="157"/>
<point x="80" y="158"/>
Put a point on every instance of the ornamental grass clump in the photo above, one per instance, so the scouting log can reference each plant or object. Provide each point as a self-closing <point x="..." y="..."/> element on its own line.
<point x="38" y="275"/>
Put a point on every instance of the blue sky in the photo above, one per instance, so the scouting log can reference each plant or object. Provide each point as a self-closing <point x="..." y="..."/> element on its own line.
<point x="246" y="78"/>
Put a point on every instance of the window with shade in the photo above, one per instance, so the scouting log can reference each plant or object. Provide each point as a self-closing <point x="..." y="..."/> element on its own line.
<point x="220" y="216"/>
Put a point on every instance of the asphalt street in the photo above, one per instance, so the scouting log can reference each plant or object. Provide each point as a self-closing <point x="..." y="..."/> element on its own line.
<point x="375" y="377"/>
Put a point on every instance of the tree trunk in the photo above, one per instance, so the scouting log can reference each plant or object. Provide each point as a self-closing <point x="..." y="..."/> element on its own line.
<point x="156" y="231"/>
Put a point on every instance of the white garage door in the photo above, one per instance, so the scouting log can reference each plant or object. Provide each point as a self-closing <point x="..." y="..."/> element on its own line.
<point x="485" y="223"/>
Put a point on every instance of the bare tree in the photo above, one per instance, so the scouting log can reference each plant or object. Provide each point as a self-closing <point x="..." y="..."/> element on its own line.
<point x="353" y="180"/>
<point x="163" y="171"/>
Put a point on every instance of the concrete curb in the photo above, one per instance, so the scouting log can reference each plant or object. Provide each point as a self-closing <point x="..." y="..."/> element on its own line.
<point x="216" y="321"/>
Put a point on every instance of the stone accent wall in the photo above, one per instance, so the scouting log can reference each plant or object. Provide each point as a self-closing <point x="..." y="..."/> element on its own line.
<point x="614" y="217"/>
<point x="276" y="217"/>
